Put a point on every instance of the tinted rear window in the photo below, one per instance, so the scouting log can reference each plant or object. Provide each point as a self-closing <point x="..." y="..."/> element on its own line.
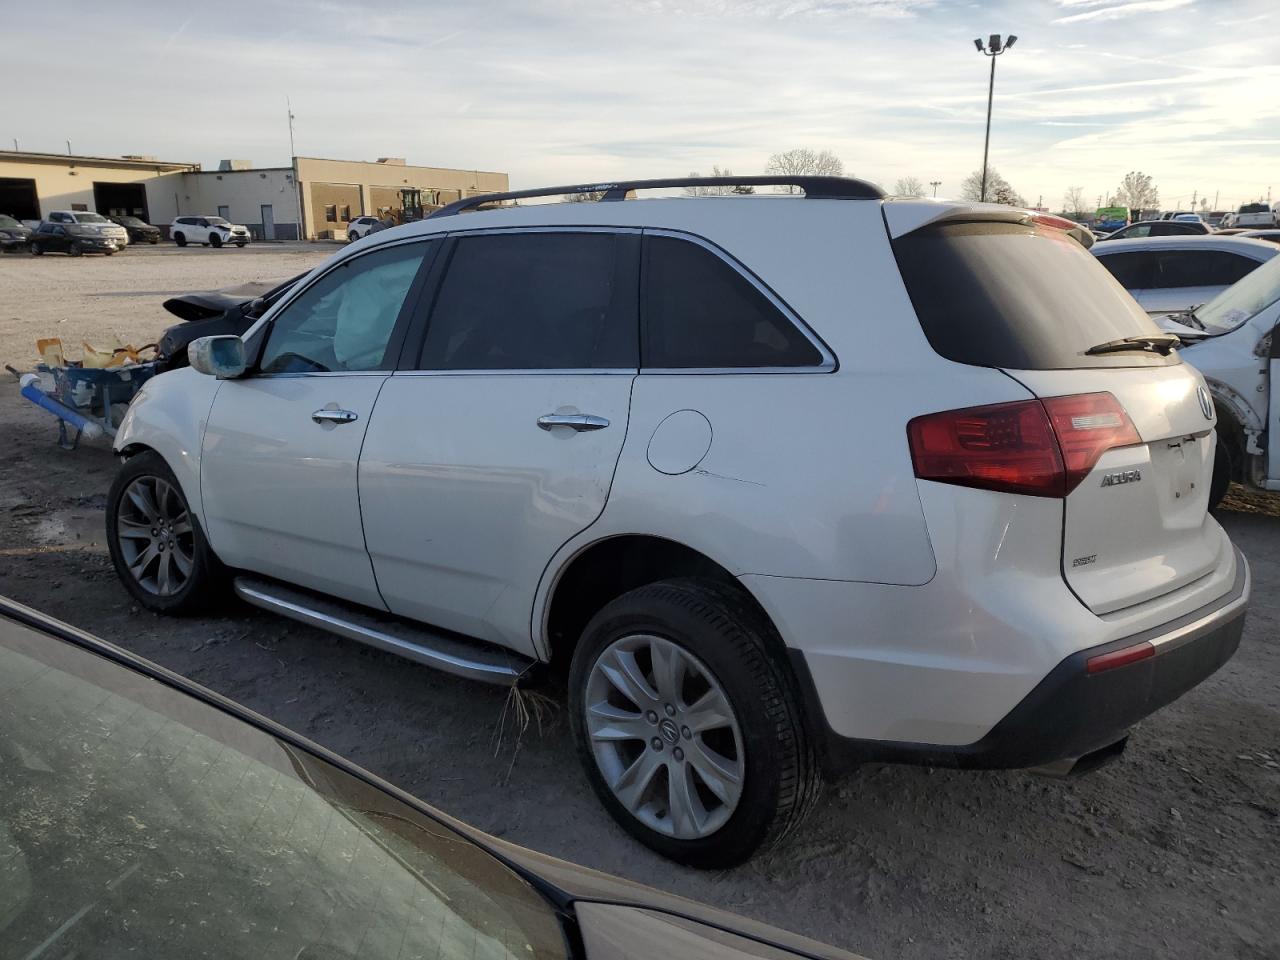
<point x="1015" y="296"/>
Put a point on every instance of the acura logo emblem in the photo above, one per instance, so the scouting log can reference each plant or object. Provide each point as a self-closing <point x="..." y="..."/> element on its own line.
<point x="1206" y="405"/>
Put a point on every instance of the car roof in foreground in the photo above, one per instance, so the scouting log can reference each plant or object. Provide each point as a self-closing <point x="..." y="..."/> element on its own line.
<point x="560" y="882"/>
<point x="1258" y="249"/>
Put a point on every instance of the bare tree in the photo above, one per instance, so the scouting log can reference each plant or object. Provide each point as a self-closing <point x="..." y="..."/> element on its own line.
<point x="1137" y="192"/>
<point x="999" y="189"/>
<point x="585" y="196"/>
<point x="804" y="162"/>
<point x="909" y="187"/>
<point x="694" y="190"/>
<point x="1074" y="203"/>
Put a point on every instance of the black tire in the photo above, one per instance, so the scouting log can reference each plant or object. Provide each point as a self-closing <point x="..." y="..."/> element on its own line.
<point x="207" y="577"/>
<point x="241" y="245"/>
<point x="721" y="627"/>
<point x="180" y="239"/>
<point x="37" y="250"/>
<point x="215" y="241"/>
<point x="75" y="250"/>
<point x="154" y="242"/>
<point x="1222" y="471"/>
<point x="108" y="252"/>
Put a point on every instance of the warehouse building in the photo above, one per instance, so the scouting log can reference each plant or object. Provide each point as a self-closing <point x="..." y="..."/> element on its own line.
<point x="314" y="198"/>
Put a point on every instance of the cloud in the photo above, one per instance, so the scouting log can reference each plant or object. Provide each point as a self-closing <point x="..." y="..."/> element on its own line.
<point x="1118" y="11"/>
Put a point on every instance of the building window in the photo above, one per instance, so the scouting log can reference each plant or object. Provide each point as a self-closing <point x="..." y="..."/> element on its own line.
<point x="330" y="213"/>
<point x="80" y="207"/>
<point x="345" y="214"/>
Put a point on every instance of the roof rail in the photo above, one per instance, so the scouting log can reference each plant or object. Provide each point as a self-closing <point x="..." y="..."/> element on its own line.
<point x="815" y="188"/>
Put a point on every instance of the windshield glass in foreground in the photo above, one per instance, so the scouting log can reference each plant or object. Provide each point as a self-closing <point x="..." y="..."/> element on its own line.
<point x="1242" y="300"/>
<point x="136" y="821"/>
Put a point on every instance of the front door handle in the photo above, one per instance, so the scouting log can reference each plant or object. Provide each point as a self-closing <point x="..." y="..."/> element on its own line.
<point x="574" y="421"/>
<point x="328" y="415"/>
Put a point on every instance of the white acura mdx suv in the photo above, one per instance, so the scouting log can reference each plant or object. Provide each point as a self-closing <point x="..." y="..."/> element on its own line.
<point x="782" y="484"/>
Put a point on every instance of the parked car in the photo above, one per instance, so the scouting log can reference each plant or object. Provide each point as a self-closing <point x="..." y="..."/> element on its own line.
<point x="1159" y="228"/>
<point x="1271" y="236"/>
<point x="72" y="239"/>
<point x="1232" y="341"/>
<point x="362" y="227"/>
<point x="1175" y="274"/>
<point x="87" y="223"/>
<point x="140" y="812"/>
<point x="1188" y="218"/>
<point x="748" y="471"/>
<point x="207" y="231"/>
<point x="1255" y="215"/>
<point x="139" y="231"/>
<point x="13" y="234"/>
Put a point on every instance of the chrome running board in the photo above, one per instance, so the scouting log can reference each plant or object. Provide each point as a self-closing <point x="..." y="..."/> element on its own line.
<point x="474" y="660"/>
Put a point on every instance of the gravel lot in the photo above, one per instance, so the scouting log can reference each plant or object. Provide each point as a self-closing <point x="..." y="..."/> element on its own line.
<point x="1174" y="851"/>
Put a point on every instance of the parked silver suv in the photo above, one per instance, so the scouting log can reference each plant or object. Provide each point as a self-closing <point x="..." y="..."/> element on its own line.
<point x="781" y="484"/>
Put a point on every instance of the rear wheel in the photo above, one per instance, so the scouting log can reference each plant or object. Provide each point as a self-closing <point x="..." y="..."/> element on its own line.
<point x="180" y="239"/>
<point x="688" y="723"/>
<point x="156" y="544"/>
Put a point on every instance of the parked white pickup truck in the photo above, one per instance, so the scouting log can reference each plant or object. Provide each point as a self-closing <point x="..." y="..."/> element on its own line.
<point x="1231" y="340"/>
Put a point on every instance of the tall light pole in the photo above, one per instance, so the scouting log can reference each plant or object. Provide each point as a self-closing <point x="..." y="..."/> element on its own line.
<point x="935" y="184"/>
<point x="993" y="49"/>
<point x="293" y="160"/>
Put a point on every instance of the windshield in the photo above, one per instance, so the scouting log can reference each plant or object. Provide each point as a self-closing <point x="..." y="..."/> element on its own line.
<point x="137" y="821"/>
<point x="1243" y="299"/>
<point x="6" y="221"/>
<point x="214" y="221"/>
<point x="130" y="222"/>
<point x="91" y="218"/>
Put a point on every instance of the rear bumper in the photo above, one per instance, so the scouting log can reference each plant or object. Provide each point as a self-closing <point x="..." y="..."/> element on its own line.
<point x="1070" y="712"/>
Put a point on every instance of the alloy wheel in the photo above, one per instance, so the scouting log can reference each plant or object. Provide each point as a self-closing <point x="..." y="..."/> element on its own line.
<point x="155" y="534"/>
<point x="665" y="736"/>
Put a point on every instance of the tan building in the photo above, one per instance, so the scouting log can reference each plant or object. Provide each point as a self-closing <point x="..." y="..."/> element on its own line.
<point x="327" y="193"/>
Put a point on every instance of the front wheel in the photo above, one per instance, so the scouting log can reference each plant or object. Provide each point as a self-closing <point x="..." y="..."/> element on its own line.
<point x="240" y="245"/>
<point x="215" y="240"/>
<point x="688" y="723"/>
<point x="156" y="544"/>
<point x="75" y="249"/>
<point x="37" y="250"/>
<point x="1222" y="471"/>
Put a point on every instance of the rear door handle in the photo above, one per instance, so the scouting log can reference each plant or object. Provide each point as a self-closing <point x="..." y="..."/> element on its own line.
<point x="574" y="421"/>
<point x="328" y="415"/>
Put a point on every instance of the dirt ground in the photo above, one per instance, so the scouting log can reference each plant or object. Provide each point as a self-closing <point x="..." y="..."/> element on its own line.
<point x="1174" y="851"/>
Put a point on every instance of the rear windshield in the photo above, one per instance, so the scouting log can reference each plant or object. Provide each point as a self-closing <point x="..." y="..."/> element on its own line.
<point x="1255" y="208"/>
<point x="1017" y="296"/>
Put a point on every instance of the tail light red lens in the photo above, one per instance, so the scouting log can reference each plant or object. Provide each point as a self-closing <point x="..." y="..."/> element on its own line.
<point x="1039" y="447"/>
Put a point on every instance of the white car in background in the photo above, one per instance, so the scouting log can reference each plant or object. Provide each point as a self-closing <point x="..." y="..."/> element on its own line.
<point x="781" y="485"/>
<point x="1233" y="341"/>
<point x="1171" y="275"/>
<point x="93" y="223"/>
<point x="1255" y="215"/>
<point x="207" y="231"/>
<point x="362" y="227"/>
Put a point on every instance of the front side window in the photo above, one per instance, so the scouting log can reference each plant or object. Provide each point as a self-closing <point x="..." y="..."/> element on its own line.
<point x="343" y="322"/>
<point x="136" y="821"/>
<point x="699" y="312"/>
<point x="536" y="301"/>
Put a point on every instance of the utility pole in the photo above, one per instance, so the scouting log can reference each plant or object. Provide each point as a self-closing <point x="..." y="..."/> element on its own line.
<point x="1193" y="199"/>
<point x="992" y="50"/>
<point x="933" y="183"/>
<point x="68" y="148"/>
<point x="15" y="144"/>
<point x="297" y="184"/>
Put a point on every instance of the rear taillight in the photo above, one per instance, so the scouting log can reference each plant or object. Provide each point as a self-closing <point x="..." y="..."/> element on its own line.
<point x="1039" y="447"/>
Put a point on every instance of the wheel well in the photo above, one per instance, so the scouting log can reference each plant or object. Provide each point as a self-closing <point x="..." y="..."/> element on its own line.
<point x="608" y="569"/>
<point x="132" y="450"/>
<point x="1231" y="435"/>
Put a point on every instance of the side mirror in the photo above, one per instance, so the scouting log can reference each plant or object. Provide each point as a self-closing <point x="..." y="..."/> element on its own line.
<point x="222" y="357"/>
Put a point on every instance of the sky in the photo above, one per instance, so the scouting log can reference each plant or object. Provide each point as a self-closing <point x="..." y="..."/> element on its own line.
<point x="571" y="91"/>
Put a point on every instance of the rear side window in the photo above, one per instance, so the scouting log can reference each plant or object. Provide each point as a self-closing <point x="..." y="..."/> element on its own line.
<point x="1019" y="297"/>
<point x="1199" y="268"/>
<point x="699" y="312"/>
<point x="536" y="301"/>
<point x="1132" y="270"/>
